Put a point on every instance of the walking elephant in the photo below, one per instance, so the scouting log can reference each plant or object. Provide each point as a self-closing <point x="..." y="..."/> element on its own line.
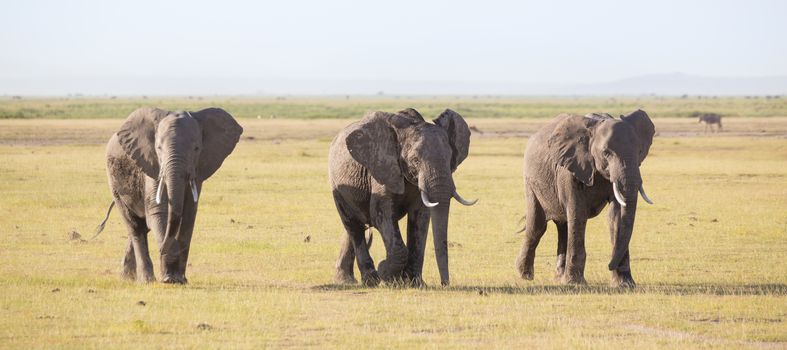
<point x="156" y="164"/>
<point x="574" y="166"/>
<point x="384" y="167"/>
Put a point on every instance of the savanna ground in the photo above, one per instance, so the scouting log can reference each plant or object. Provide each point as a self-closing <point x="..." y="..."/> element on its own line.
<point x="709" y="256"/>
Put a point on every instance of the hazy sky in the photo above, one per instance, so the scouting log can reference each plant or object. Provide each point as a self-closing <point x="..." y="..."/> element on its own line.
<point x="522" y="41"/>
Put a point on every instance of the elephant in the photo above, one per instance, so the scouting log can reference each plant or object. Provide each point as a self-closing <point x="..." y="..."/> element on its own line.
<point x="710" y="119"/>
<point x="156" y="165"/>
<point x="386" y="166"/>
<point x="574" y="166"/>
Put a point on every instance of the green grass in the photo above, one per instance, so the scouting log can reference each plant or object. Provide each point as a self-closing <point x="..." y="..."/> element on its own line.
<point x="288" y="107"/>
<point x="708" y="256"/>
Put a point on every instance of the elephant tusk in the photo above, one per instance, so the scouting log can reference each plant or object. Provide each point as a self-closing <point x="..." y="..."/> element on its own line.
<point x="644" y="196"/>
<point x="618" y="196"/>
<point x="464" y="201"/>
<point x="426" y="201"/>
<point x="158" y="191"/>
<point x="194" y="193"/>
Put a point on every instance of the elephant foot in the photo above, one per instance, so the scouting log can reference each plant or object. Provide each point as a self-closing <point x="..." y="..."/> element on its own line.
<point x="622" y="279"/>
<point x="525" y="272"/>
<point x="413" y="281"/>
<point x="174" y="279"/>
<point x="389" y="273"/>
<point x="342" y="277"/>
<point x="371" y="279"/>
<point x="417" y="282"/>
<point x="145" y="276"/>
<point x="560" y="266"/>
<point x="129" y="275"/>
<point x="146" y="279"/>
<point x="569" y="279"/>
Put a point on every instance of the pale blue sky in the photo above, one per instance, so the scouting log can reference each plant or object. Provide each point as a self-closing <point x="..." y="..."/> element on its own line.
<point x="570" y="42"/>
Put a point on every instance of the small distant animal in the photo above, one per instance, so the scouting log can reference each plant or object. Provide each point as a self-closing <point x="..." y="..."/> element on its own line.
<point x="710" y="119"/>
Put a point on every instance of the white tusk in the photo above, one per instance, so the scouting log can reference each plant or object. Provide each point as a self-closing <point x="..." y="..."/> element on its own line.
<point x="158" y="191"/>
<point x="644" y="196"/>
<point x="194" y="193"/>
<point x="462" y="200"/>
<point x="618" y="196"/>
<point x="426" y="201"/>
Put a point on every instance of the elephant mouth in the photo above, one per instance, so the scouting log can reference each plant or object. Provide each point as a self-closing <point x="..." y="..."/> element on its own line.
<point x="622" y="200"/>
<point x="192" y="185"/>
<point x="455" y="195"/>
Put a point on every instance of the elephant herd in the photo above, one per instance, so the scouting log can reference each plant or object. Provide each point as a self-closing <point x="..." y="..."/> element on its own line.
<point x="381" y="168"/>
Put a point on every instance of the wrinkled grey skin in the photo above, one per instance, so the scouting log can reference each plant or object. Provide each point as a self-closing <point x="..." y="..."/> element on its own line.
<point x="710" y="119"/>
<point x="377" y="168"/>
<point x="152" y="145"/>
<point x="570" y="165"/>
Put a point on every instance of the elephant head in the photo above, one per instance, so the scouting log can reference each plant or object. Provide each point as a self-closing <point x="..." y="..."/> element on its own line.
<point x="403" y="147"/>
<point x="599" y="145"/>
<point x="179" y="150"/>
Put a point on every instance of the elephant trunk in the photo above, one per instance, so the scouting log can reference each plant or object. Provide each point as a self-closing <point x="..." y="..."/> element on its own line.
<point x="627" y="186"/>
<point x="623" y="236"/>
<point x="439" y="216"/>
<point x="439" y="190"/>
<point x="175" y="180"/>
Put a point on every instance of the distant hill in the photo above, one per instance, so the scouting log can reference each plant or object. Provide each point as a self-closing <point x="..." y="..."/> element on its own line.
<point x="675" y="84"/>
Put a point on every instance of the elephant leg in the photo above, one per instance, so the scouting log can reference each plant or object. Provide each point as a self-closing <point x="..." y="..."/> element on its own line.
<point x="138" y="239"/>
<point x="369" y="276"/>
<point x="345" y="262"/>
<point x="129" y="265"/>
<point x="354" y="243"/>
<point x="396" y="252"/>
<point x="396" y="255"/>
<point x="184" y="239"/>
<point x="562" y="243"/>
<point x="417" y="230"/>
<point x="621" y="276"/>
<point x="575" y="252"/>
<point x="535" y="226"/>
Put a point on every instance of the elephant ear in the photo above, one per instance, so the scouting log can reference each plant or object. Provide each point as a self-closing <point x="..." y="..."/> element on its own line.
<point x="220" y="134"/>
<point x="644" y="129"/>
<point x="137" y="136"/>
<point x="570" y="146"/>
<point x="372" y="142"/>
<point x="458" y="135"/>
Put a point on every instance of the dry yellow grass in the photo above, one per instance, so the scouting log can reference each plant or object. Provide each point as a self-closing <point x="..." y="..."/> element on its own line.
<point x="708" y="257"/>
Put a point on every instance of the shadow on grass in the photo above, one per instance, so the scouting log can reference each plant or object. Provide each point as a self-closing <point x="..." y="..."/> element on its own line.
<point x="664" y="289"/>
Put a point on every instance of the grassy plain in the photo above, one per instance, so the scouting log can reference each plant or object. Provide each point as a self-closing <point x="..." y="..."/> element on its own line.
<point x="340" y="107"/>
<point x="709" y="256"/>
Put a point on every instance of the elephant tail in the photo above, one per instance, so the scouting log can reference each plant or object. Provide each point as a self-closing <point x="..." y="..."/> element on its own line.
<point x="521" y="223"/>
<point x="101" y="226"/>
